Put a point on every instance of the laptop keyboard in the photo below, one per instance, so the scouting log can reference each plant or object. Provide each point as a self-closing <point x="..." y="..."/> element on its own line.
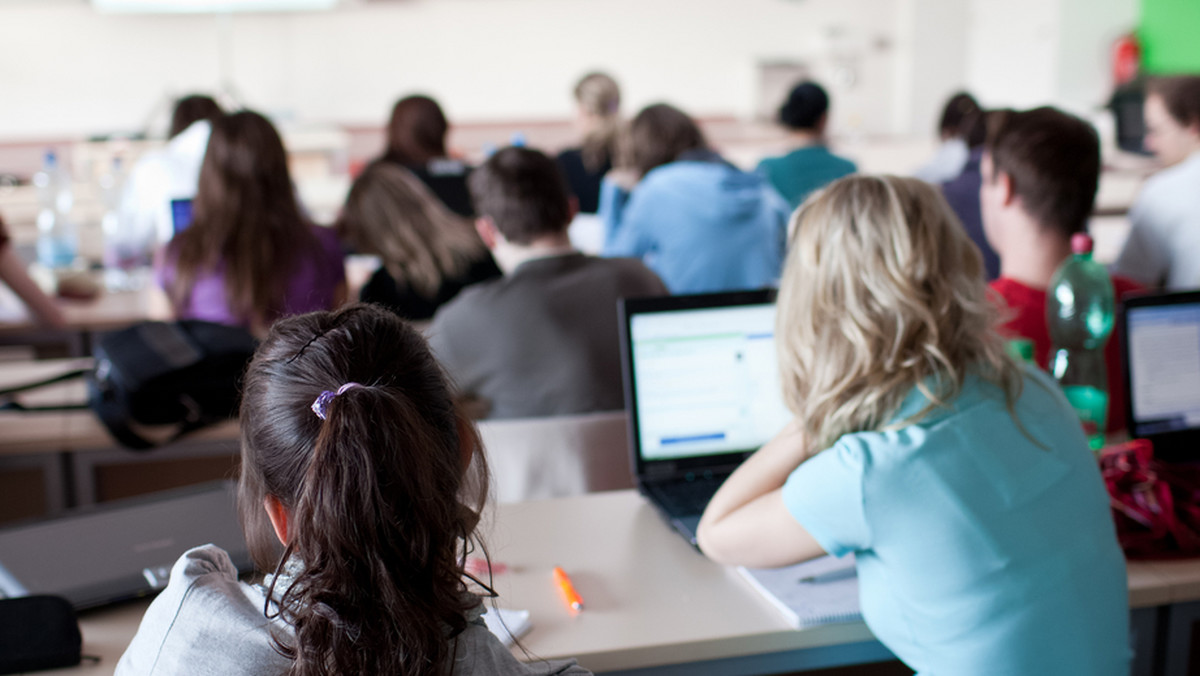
<point x="683" y="498"/>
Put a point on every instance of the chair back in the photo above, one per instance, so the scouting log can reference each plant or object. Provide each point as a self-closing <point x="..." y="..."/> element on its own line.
<point x="539" y="458"/>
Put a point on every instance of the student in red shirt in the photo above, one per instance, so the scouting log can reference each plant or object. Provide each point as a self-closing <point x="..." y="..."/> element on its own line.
<point x="1040" y="172"/>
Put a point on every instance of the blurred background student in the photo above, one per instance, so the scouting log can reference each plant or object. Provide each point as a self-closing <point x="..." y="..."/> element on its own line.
<point x="428" y="252"/>
<point x="171" y="173"/>
<point x="249" y="256"/>
<point x="598" y="110"/>
<point x="955" y="126"/>
<point x="416" y="140"/>
<point x="695" y="219"/>
<point x="1165" y="235"/>
<point x="809" y="165"/>
<point x="962" y="191"/>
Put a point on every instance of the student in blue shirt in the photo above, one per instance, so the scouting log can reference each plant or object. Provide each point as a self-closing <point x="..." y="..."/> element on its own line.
<point x="961" y="480"/>
<point x="810" y="165"/>
<point x="699" y="222"/>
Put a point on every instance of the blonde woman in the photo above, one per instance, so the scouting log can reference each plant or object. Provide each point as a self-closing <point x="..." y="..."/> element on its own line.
<point x="598" y="103"/>
<point x="429" y="253"/>
<point x="961" y="481"/>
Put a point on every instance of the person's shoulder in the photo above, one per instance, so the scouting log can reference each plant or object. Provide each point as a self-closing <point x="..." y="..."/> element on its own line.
<point x="470" y="305"/>
<point x="1123" y="286"/>
<point x="631" y="270"/>
<point x="480" y="652"/>
<point x="1016" y="294"/>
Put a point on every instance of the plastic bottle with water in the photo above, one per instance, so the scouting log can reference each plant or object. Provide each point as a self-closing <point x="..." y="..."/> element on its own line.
<point x="57" y="244"/>
<point x="127" y="247"/>
<point x="1080" y="312"/>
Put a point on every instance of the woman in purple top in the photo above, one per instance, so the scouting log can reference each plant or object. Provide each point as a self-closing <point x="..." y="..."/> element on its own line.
<point x="249" y="256"/>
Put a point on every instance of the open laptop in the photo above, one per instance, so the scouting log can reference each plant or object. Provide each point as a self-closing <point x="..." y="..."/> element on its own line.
<point x="1161" y="349"/>
<point x="702" y="392"/>
<point x="121" y="550"/>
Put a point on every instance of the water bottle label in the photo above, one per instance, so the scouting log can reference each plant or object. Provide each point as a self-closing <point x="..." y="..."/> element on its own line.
<point x="1091" y="405"/>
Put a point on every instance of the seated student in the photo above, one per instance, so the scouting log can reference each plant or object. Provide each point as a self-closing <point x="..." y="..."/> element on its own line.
<point x="961" y="481"/>
<point x="962" y="191"/>
<point x="958" y="118"/>
<point x="171" y="173"/>
<point x="1040" y="173"/>
<point x="542" y="340"/>
<point x="598" y="103"/>
<point x="698" y="221"/>
<point x="14" y="273"/>
<point x="416" y="140"/>
<point x="810" y="165"/>
<point x="1162" y="247"/>
<point x="249" y="255"/>
<point x="429" y="253"/>
<point x="355" y="461"/>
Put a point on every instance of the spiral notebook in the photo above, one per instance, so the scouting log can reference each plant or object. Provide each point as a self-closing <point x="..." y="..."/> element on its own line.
<point x="821" y="591"/>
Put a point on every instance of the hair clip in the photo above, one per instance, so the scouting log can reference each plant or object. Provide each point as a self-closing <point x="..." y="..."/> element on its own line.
<point x="327" y="396"/>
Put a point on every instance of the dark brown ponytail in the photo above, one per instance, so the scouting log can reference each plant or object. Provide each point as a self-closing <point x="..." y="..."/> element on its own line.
<point x="381" y="508"/>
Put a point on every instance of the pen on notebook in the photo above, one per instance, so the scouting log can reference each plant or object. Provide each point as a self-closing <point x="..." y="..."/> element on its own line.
<point x="570" y="596"/>
<point x="831" y="576"/>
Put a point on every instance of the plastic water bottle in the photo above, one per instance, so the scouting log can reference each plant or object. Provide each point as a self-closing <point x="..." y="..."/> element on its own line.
<point x="1080" y="311"/>
<point x="127" y="246"/>
<point x="57" y="244"/>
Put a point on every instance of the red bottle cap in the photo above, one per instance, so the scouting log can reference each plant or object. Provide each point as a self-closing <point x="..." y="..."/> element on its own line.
<point x="1081" y="243"/>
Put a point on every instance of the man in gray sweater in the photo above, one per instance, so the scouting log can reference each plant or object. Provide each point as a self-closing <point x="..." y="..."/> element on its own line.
<point x="543" y="340"/>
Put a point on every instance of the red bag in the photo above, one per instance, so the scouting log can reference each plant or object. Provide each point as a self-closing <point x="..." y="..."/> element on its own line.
<point x="1156" y="505"/>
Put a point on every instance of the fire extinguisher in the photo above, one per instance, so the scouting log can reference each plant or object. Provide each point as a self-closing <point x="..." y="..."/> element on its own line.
<point x="1126" y="59"/>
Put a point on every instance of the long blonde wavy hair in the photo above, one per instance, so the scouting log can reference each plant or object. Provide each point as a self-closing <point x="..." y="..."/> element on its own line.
<point x="882" y="292"/>
<point x="390" y="213"/>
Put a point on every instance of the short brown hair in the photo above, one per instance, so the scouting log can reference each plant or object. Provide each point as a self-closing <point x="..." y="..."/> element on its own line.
<point x="192" y="109"/>
<point x="1181" y="95"/>
<point x="659" y="135"/>
<point x="523" y="192"/>
<point x="1053" y="160"/>
<point x="416" y="133"/>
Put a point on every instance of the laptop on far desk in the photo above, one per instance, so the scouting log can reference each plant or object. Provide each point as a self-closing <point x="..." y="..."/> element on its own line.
<point x="702" y="393"/>
<point x="120" y="550"/>
<point x="1161" y="356"/>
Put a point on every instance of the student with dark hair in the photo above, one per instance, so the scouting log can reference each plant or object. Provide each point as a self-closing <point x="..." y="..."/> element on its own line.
<point x="542" y="340"/>
<point x="1040" y="173"/>
<point x="169" y="174"/>
<point x="416" y="140"/>
<point x="1163" y="243"/>
<point x="428" y="252"/>
<point x="962" y="191"/>
<point x="698" y="221"/>
<point x="357" y="464"/>
<point x="958" y="131"/>
<point x="598" y="103"/>
<point x="250" y="256"/>
<point x="809" y="165"/>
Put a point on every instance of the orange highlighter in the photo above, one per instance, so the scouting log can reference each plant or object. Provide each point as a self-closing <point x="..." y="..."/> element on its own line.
<point x="570" y="596"/>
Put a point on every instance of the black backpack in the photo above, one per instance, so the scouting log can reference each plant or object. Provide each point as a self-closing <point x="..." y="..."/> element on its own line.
<point x="186" y="373"/>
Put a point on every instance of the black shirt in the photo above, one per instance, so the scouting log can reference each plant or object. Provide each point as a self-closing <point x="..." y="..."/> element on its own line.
<point x="583" y="183"/>
<point x="404" y="301"/>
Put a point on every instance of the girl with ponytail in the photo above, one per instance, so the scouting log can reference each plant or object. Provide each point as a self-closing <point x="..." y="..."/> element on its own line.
<point x="361" y="489"/>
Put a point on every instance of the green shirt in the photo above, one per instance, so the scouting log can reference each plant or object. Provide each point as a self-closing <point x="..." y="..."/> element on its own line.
<point x="804" y="170"/>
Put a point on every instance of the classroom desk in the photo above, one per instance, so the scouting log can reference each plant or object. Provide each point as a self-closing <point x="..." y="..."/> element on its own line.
<point x="653" y="604"/>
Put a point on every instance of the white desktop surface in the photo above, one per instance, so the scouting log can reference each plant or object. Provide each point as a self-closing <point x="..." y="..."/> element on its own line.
<point x="650" y="599"/>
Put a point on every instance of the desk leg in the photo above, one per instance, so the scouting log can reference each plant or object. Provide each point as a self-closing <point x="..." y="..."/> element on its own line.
<point x="1179" y="649"/>
<point x="1144" y="625"/>
<point x="791" y="661"/>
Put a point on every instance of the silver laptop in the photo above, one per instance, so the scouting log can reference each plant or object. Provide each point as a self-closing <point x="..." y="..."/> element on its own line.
<point x="119" y="550"/>
<point x="702" y="391"/>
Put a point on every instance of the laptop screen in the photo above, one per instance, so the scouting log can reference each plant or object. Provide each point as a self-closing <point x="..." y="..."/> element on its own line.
<point x="706" y="380"/>
<point x="181" y="215"/>
<point x="1164" y="367"/>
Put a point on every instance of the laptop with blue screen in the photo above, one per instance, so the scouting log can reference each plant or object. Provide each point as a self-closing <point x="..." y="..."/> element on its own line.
<point x="702" y="392"/>
<point x="1161" y="345"/>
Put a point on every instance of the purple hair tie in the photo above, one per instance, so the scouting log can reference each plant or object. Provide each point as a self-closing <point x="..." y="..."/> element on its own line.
<point x="327" y="396"/>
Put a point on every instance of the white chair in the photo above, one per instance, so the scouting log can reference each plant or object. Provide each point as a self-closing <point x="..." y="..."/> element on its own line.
<point x="538" y="458"/>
